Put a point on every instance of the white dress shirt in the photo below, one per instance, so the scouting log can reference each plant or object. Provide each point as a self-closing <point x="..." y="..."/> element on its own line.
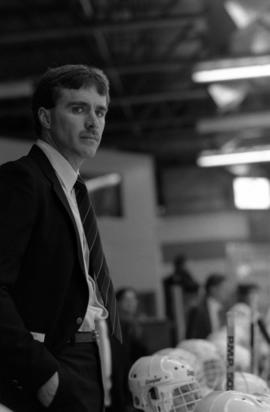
<point x="67" y="177"/>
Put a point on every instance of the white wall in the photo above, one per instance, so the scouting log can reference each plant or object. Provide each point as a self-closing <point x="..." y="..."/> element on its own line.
<point x="131" y="242"/>
<point x="204" y="227"/>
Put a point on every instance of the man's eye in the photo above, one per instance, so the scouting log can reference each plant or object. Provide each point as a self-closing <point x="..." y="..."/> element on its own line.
<point x="77" y="109"/>
<point x="100" y="113"/>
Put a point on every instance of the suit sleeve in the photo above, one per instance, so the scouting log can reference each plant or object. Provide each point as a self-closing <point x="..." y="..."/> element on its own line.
<point x="21" y="357"/>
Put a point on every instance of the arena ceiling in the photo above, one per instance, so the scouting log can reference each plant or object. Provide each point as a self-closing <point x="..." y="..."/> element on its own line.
<point x="149" y="49"/>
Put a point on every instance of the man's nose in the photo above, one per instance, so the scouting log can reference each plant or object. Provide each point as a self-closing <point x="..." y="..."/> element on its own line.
<point x="91" y="120"/>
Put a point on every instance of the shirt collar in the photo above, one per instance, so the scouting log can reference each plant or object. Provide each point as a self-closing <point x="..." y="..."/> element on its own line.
<point x="62" y="167"/>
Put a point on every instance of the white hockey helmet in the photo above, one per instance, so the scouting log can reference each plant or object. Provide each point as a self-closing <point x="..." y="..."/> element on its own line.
<point x="249" y="383"/>
<point x="164" y="351"/>
<point x="192" y="360"/>
<point x="242" y="357"/>
<point x="163" y="384"/>
<point x="233" y="401"/>
<point x="241" y="334"/>
<point x="213" y="364"/>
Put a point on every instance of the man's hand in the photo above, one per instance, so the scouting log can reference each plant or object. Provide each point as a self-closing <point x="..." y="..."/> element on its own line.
<point x="47" y="392"/>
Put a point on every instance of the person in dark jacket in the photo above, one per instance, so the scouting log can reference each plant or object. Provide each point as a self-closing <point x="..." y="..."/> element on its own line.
<point x="208" y="316"/>
<point x="133" y="347"/>
<point x="180" y="292"/>
<point x="54" y="280"/>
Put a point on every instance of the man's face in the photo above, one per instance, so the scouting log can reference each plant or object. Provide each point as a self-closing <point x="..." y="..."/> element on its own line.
<point x="221" y="291"/>
<point x="76" y="123"/>
<point x="129" y="302"/>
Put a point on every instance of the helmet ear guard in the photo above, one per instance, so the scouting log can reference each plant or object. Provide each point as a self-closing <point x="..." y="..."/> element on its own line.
<point x="162" y="383"/>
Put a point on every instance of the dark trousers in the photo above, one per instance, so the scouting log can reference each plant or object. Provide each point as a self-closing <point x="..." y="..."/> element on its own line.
<point x="80" y="385"/>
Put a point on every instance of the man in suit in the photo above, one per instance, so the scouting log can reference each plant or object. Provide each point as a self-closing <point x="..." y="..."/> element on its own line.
<point x="206" y="317"/>
<point x="54" y="281"/>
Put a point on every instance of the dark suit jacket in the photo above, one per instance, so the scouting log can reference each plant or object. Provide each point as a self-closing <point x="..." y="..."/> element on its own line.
<point x="42" y="282"/>
<point x="199" y="324"/>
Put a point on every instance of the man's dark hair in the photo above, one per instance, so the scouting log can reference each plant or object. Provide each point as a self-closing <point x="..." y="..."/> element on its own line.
<point x="244" y="290"/>
<point x="184" y="277"/>
<point x="214" y="279"/>
<point x="179" y="260"/>
<point x="69" y="76"/>
<point x="120" y="293"/>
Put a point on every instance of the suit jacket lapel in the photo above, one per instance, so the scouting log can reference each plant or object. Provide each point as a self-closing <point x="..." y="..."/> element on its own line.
<point x="44" y="164"/>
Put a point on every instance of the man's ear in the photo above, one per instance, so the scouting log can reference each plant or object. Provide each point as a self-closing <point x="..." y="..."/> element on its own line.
<point x="44" y="116"/>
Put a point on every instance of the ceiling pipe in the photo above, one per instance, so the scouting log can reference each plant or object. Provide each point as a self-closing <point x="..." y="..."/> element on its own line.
<point x="36" y="36"/>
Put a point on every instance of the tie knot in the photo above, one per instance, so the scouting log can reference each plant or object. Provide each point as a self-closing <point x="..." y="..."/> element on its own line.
<point x="79" y="182"/>
<point x="80" y="188"/>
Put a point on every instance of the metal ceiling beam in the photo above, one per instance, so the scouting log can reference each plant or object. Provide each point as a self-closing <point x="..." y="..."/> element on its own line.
<point x="81" y="31"/>
<point x="179" y="95"/>
<point x="19" y="7"/>
<point x="105" y="51"/>
<point x="151" y="123"/>
<point x="178" y="143"/>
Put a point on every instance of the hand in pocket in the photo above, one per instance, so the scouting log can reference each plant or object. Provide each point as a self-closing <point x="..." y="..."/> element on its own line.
<point x="47" y="391"/>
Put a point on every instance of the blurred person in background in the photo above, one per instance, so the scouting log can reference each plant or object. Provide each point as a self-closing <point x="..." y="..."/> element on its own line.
<point x="247" y="311"/>
<point x="181" y="292"/>
<point x="130" y="318"/>
<point x="248" y="294"/>
<point x="208" y="315"/>
<point x="133" y="347"/>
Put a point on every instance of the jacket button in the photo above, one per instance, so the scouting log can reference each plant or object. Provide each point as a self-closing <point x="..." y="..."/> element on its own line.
<point x="79" y="320"/>
<point x="16" y="384"/>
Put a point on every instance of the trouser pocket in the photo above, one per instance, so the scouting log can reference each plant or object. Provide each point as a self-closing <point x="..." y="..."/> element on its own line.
<point x="64" y="390"/>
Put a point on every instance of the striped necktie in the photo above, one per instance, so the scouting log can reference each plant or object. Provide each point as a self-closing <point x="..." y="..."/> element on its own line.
<point x="98" y="268"/>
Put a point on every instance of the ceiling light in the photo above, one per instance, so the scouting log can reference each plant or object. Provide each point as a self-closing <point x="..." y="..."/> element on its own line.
<point x="234" y="122"/>
<point x="16" y="89"/>
<point x="227" y="96"/>
<point x="251" y="192"/>
<point x="231" y="69"/>
<point x="211" y="158"/>
<point x="241" y="14"/>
